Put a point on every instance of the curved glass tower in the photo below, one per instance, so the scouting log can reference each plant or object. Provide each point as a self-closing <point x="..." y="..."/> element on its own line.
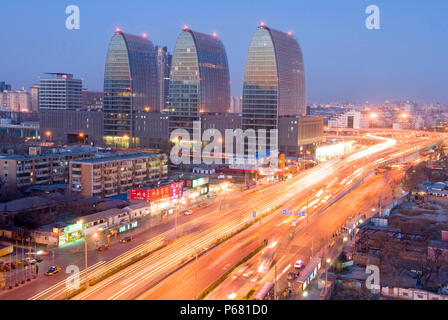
<point x="274" y="80"/>
<point x="199" y="79"/>
<point x="130" y="85"/>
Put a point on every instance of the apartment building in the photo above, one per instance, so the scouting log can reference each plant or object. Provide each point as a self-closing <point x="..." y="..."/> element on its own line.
<point x="115" y="174"/>
<point x="39" y="167"/>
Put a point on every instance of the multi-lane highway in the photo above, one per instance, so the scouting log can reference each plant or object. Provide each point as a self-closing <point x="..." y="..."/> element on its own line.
<point x="327" y="180"/>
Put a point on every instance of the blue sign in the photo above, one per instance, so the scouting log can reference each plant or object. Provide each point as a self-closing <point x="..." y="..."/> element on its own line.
<point x="294" y="220"/>
<point x="254" y="214"/>
<point x="287" y="212"/>
<point x="301" y="213"/>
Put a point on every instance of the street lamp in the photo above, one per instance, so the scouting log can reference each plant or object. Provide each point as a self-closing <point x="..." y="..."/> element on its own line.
<point x="328" y="261"/>
<point x="85" y="248"/>
<point x="195" y="269"/>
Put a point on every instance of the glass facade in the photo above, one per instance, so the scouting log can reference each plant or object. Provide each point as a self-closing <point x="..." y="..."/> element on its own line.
<point x="130" y="85"/>
<point x="274" y="80"/>
<point x="199" y="79"/>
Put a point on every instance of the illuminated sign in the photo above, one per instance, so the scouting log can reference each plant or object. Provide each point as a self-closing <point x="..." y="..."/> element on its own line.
<point x="199" y="182"/>
<point x="171" y="191"/>
<point x="128" y="226"/>
<point x="73" y="228"/>
<point x="140" y="194"/>
<point x="176" y="190"/>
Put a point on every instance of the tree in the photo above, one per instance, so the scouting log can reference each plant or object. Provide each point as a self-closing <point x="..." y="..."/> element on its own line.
<point x="430" y="266"/>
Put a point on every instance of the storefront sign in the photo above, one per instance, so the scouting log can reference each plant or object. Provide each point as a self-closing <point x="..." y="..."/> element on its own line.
<point x="140" y="194"/>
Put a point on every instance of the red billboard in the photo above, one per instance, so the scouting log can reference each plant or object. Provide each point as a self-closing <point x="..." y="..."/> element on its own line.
<point x="159" y="193"/>
<point x="140" y="194"/>
<point x="171" y="191"/>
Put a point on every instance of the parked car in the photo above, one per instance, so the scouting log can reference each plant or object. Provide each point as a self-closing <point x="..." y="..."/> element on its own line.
<point x="103" y="247"/>
<point x="299" y="264"/>
<point x="188" y="212"/>
<point x="126" y="240"/>
<point x="52" y="271"/>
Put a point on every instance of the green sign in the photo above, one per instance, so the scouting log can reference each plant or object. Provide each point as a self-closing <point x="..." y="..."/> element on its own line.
<point x="73" y="228"/>
<point x="128" y="226"/>
<point x="199" y="182"/>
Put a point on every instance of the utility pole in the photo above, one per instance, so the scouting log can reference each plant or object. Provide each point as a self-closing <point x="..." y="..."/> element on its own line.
<point x="85" y="254"/>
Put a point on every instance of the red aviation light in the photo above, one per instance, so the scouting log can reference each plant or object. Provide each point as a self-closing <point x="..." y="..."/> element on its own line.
<point x="289" y="33"/>
<point x="117" y="30"/>
<point x="214" y="34"/>
<point x="185" y="27"/>
<point x="144" y="35"/>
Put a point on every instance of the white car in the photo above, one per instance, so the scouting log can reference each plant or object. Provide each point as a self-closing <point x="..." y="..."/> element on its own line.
<point x="188" y="212"/>
<point x="299" y="264"/>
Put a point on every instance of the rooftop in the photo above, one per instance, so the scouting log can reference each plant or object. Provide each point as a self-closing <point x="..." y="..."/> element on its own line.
<point x="102" y="215"/>
<point x="54" y="153"/>
<point x="116" y="156"/>
<point x="26" y="203"/>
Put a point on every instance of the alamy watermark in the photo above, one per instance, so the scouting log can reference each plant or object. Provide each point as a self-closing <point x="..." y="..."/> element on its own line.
<point x="373" y="20"/>
<point x="250" y="146"/>
<point x="73" y="21"/>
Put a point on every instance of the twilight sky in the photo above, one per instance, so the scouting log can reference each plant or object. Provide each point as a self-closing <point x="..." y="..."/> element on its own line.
<point x="344" y="61"/>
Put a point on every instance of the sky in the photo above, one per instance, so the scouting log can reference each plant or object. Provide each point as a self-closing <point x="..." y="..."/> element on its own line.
<point x="406" y="59"/>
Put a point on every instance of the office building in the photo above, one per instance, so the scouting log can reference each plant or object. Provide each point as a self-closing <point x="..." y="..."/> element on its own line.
<point x="115" y="174"/>
<point x="92" y="100"/>
<point x="130" y="85"/>
<point x="164" y="59"/>
<point x="4" y="86"/>
<point x="299" y="136"/>
<point x="274" y="80"/>
<point x="34" y="91"/>
<point x="72" y="126"/>
<point x="15" y="101"/>
<point x="151" y="130"/>
<point x="352" y="120"/>
<point x="236" y="104"/>
<point x="199" y="79"/>
<point x="60" y="91"/>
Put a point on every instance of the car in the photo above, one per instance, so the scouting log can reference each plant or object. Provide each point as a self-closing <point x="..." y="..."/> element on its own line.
<point x="5" y="267"/>
<point x="52" y="271"/>
<point x="248" y="274"/>
<point x="292" y="275"/>
<point x="188" y="212"/>
<point x="126" y="239"/>
<point x="103" y="247"/>
<point x="299" y="264"/>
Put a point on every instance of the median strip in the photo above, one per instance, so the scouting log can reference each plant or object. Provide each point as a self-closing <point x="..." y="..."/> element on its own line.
<point x="217" y="282"/>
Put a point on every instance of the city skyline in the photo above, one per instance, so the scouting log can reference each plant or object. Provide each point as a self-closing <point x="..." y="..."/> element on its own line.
<point x="345" y="60"/>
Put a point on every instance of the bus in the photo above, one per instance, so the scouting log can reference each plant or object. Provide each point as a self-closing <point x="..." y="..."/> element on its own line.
<point x="266" y="292"/>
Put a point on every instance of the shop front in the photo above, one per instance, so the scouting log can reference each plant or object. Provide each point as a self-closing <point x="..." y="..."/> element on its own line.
<point x="68" y="234"/>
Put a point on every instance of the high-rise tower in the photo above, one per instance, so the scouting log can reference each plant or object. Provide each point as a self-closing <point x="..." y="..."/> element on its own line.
<point x="199" y="79"/>
<point x="130" y="85"/>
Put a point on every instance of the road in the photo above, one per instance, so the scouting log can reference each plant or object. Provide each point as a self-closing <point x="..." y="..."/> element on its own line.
<point x="326" y="180"/>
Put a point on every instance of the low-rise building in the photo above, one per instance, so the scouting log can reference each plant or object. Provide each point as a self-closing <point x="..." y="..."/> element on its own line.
<point x="116" y="173"/>
<point x="40" y="167"/>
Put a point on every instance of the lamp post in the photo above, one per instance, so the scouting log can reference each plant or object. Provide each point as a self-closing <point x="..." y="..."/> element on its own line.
<point x="195" y="269"/>
<point x="85" y="250"/>
<point x="328" y="261"/>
